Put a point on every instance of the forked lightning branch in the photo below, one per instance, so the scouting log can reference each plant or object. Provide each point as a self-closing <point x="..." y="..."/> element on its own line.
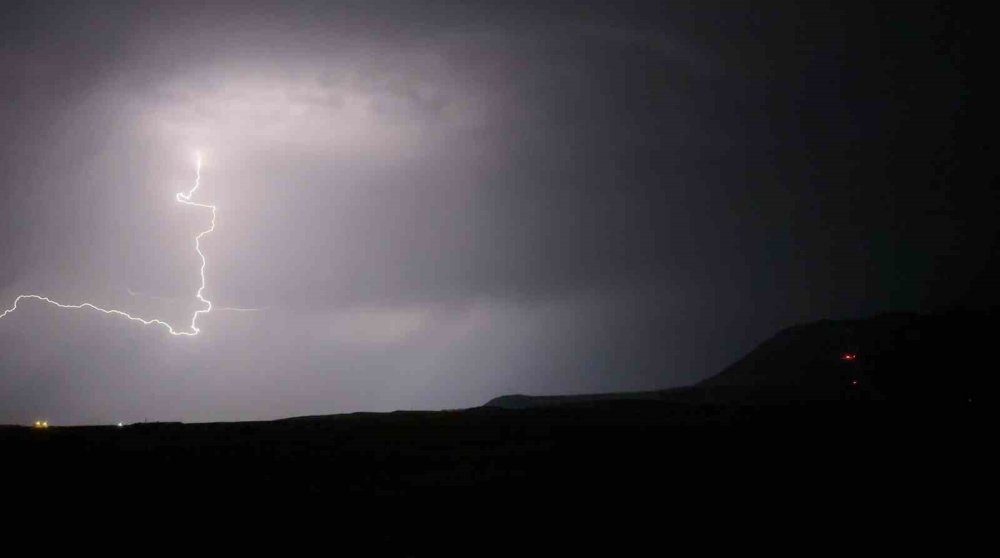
<point x="192" y="329"/>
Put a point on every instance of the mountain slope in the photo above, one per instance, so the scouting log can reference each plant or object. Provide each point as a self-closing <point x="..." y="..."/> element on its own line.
<point x="901" y="357"/>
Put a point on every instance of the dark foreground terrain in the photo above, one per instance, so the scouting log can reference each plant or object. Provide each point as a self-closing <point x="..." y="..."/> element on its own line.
<point x="893" y="432"/>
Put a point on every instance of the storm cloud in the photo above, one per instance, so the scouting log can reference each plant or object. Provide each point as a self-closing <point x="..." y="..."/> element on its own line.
<point x="431" y="203"/>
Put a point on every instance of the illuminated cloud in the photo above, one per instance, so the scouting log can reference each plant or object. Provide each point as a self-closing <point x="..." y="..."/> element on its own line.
<point x="436" y="203"/>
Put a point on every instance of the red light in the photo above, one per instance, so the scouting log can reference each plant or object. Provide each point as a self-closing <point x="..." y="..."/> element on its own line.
<point x="848" y="356"/>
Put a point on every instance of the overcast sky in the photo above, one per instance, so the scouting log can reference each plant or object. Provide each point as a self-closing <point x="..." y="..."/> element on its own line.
<point x="435" y="203"/>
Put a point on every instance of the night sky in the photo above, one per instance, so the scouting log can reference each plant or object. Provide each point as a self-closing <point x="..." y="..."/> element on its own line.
<point x="430" y="204"/>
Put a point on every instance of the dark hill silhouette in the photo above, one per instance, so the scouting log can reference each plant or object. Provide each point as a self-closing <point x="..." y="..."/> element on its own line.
<point x="897" y="357"/>
<point x="784" y="428"/>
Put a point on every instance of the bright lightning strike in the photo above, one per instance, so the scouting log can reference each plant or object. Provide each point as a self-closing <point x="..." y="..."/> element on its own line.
<point x="184" y="198"/>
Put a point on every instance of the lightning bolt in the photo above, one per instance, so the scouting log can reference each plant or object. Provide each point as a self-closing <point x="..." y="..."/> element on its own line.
<point x="184" y="198"/>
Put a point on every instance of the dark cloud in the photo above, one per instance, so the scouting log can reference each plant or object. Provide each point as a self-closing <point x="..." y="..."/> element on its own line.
<point x="435" y="203"/>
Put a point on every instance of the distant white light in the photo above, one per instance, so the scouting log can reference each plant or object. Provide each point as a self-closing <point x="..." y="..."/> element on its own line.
<point x="120" y="425"/>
